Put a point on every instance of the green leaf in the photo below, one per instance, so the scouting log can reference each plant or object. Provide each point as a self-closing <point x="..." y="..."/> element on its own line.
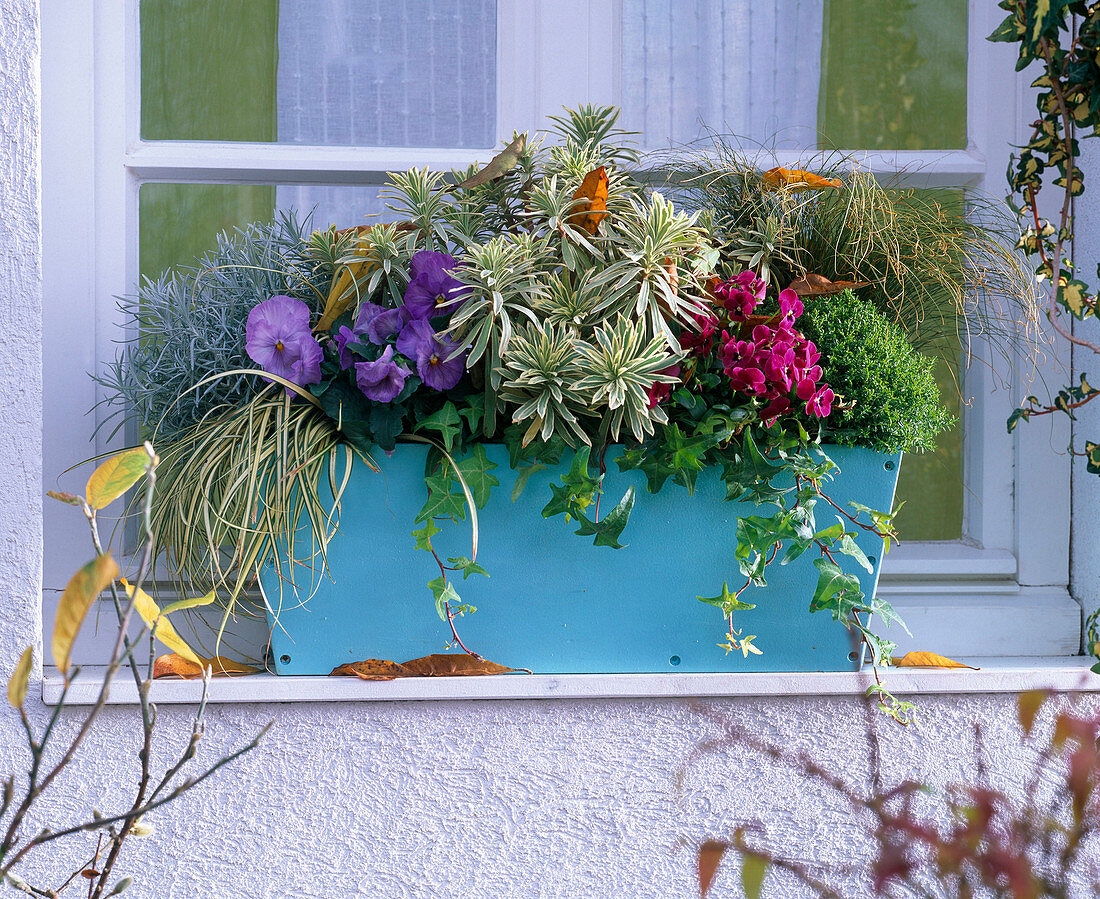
<point x="836" y="591"/>
<point x="753" y="870"/>
<point x="444" y="593"/>
<point x="610" y="527"/>
<point x="446" y="422"/>
<point x="441" y="503"/>
<point x="726" y="601"/>
<point x="475" y="469"/>
<point x="523" y="475"/>
<point x="467" y="566"/>
<point x="424" y="535"/>
<point x="849" y="547"/>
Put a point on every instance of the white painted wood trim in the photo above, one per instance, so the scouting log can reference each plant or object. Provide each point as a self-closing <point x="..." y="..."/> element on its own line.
<point x="212" y="161"/>
<point x="1003" y="676"/>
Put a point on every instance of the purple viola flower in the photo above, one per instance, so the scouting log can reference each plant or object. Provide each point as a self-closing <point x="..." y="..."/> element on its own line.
<point x="431" y="286"/>
<point x="432" y="353"/>
<point x="343" y="337"/>
<point x="278" y="339"/>
<point x="378" y="323"/>
<point x="383" y="379"/>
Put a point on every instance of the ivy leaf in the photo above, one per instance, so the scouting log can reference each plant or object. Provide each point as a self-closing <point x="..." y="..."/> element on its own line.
<point x="446" y="422"/>
<point x="523" y="475"/>
<point x="836" y="591"/>
<point x="444" y="593"/>
<point x="424" y="535"/>
<point x="849" y="547"/>
<point x="1015" y="418"/>
<point x="386" y="425"/>
<point x="1092" y="453"/>
<point x="610" y="527"/>
<point x="467" y="566"/>
<point x="473" y="410"/>
<point x="441" y="503"/>
<point x="475" y="470"/>
<point x="726" y="601"/>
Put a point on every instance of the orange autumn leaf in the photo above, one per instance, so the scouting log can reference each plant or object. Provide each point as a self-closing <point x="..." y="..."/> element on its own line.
<point x="591" y="206"/>
<point x="174" y="665"/>
<point x="796" y="179"/>
<point x="457" y="664"/>
<point x="370" y="669"/>
<point x="1028" y="704"/>
<point x="672" y="273"/>
<point x="710" y="855"/>
<point x="810" y="285"/>
<point x="921" y="659"/>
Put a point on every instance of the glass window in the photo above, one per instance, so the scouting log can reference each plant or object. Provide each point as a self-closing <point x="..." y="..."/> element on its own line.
<point x="418" y="73"/>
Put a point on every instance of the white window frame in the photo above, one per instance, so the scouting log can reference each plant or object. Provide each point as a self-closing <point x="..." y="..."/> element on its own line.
<point x="1001" y="591"/>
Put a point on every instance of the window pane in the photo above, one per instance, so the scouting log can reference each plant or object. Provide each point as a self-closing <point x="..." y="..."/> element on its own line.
<point x="418" y="73"/>
<point x="894" y="74"/>
<point x="178" y="222"/>
<point x="208" y="69"/>
<point x="750" y="69"/>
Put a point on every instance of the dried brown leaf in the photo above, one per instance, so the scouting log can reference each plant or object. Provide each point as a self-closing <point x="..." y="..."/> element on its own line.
<point x="457" y="664"/>
<point x="370" y="669"/>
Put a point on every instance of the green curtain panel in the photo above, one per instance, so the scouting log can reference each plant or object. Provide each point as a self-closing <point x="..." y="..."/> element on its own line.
<point x="207" y="73"/>
<point x="893" y="75"/>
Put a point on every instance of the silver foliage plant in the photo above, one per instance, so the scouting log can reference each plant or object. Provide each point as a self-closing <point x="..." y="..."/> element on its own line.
<point x="571" y="307"/>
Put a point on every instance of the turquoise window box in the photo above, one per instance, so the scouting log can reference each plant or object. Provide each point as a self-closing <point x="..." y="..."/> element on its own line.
<point x="554" y="603"/>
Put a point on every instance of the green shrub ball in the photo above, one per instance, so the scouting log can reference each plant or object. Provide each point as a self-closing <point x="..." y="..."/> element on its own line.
<point x="887" y="392"/>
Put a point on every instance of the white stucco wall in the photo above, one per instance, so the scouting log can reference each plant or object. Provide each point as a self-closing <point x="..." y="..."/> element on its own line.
<point x="470" y="799"/>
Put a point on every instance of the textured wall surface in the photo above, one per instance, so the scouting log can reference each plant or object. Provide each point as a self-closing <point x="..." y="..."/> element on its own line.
<point x="20" y="334"/>
<point x="511" y="799"/>
<point x="463" y="799"/>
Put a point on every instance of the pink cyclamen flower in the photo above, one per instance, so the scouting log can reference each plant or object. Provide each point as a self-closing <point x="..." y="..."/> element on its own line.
<point x="278" y="339"/>
<point x="821" y="403"/>
<point x="660" y="391"/>
<point x="741" y="295"/>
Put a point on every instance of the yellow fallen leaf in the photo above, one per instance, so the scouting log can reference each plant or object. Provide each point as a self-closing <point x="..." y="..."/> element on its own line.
<point x="149" y="611"/>
<point x="115" y="476"/>
<point x="922" y="659"/>
<point x="79" y="594"/>
<point x="17" y="686"/>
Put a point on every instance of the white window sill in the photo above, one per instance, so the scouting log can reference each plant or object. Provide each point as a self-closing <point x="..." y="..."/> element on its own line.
<point x="995" y="675"/>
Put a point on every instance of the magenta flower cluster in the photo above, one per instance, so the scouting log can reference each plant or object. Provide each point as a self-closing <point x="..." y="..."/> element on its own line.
<point x="741" y="295"/>
<point x="777" y="363"/>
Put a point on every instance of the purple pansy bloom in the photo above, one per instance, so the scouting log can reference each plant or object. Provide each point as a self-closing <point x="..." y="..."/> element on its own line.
<point x="432" y="353"/>
<point x="431" y="286"/>
<point x="343" y="337"/>
<point x="279" y="340"/>
<point x="378" y="323"/>
<point x="383" y="379"/>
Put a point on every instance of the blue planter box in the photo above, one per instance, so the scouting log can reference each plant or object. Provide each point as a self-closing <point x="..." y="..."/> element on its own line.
<point x="555" y="603"/>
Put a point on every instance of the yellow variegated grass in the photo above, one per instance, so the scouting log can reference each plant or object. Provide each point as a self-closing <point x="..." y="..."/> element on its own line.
<point x="940" y="262"/>
<point x="235" y="489"/>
